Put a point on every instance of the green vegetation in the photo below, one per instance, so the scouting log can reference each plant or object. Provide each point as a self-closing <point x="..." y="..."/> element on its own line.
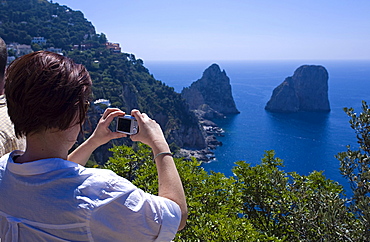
<point x="355" y="166"/>
<point x="263" y="202"/>
<point x="21" y="20"/>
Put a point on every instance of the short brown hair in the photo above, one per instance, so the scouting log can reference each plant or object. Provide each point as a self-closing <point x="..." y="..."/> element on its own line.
<point x="45" y="90"/>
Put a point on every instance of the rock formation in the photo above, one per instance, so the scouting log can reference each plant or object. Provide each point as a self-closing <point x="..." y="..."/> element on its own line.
<point x="306" y="90"/>
<point x="208" y="98"/>
<point x="211" y="95"/>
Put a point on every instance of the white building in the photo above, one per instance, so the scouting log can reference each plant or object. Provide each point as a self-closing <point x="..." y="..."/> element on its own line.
<point x="38" y="40"/>
<point x="102" y="101"/>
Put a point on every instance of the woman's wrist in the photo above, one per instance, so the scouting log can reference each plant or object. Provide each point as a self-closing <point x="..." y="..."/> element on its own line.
<point x="160" y="150"/>
<point x="161" y="155"/>
<point x="160" y="146"/>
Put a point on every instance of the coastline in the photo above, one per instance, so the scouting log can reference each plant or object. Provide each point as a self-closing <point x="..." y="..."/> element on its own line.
<point x="211" y="132"/>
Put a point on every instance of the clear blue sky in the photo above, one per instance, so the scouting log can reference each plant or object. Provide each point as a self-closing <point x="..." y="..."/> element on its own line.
<point x="233" y="29"/>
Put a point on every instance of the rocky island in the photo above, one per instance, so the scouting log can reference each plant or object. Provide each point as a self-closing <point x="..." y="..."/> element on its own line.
<point x="211" y="94"/>
<point x="306" y="90"/>
<point x="208" y="98"/>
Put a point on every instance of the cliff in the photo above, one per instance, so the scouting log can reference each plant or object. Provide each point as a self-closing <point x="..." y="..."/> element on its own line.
<point x="211" y="94"/>
<point x="208" y="98"/>
<point x="306" y="90"/>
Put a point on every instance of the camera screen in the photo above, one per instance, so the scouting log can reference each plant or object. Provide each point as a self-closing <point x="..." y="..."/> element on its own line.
<point x="124" y="125"/>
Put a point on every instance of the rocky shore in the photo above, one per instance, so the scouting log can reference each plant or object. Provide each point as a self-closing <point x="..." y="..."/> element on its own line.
<point x="211" y="131"/>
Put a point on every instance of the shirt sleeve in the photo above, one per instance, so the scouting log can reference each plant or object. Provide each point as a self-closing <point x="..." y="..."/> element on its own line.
<point x="170" y="220"/>
<point x="136" y="216"/>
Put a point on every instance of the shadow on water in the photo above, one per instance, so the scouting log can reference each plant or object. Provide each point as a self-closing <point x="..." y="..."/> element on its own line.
<point x="302" y="137"/>
<point x="295" y="137"/>
<point x="304" y="140"/>
<point x="318" y="118"/>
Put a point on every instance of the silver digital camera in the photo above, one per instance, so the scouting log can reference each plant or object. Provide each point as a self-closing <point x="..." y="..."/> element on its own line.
<point x="127" y="125"/>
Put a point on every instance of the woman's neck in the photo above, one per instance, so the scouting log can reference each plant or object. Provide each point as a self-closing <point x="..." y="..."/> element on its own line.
<point x="46" y="144"/>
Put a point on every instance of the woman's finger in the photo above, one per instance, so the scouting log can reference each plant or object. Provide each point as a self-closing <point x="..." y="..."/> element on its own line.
<point x="117" y="135"/>
<point x="113" y="114"/>
<point x="108" y="111"/>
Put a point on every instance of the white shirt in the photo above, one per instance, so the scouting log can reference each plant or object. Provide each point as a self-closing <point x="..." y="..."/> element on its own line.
<point x="58" y="200"/>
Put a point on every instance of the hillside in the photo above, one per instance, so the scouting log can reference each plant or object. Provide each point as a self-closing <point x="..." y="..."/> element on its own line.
<point x="21" y="20"/>
<point x="118" y="77"/>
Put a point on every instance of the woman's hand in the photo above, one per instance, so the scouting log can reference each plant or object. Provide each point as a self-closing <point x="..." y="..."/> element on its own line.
<point x="150" y="132"/>
<point x="102" y="134"/>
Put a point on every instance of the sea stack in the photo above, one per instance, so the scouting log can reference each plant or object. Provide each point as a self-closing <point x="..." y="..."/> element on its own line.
<point x="306" y="90"/>
<point x="211" y="94"/>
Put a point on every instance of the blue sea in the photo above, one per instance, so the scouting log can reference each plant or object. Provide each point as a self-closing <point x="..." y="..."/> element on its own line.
<point x="305" y="141"/>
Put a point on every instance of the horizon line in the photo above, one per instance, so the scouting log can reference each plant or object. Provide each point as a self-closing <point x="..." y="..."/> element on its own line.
<point x="204" y="60"/>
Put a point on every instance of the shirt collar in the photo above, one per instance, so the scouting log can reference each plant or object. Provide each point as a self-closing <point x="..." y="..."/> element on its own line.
<point x="37" y="167"/>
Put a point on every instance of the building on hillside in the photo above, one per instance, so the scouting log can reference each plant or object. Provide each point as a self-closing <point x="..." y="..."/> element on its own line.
<point x="82" y="47"/>
<point x="38" y="40"/>
<point x="19" y="50"/>
<point x="101" y="104"/>
<point x="113" y="47"/>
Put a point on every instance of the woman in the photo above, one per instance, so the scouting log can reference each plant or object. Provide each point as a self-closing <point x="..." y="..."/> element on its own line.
<point x="46" y="197"/>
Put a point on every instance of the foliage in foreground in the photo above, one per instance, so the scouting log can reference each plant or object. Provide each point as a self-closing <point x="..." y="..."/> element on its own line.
<point x="355" y="166"/>
<point x="213" y="199"/>
<point x="259" y="203"/>
<point x="263" y="202"/>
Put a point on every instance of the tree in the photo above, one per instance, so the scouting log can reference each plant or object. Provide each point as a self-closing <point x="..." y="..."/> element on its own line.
<point x="103" y="38"/>
<point x="355" y="166"/>
<point x="293" y="207"/>
<point x="259" y="203"/>
<point x="212" y="199"/>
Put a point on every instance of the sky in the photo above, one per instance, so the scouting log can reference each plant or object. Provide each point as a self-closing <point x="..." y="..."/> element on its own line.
<point x="188" y="30"/>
